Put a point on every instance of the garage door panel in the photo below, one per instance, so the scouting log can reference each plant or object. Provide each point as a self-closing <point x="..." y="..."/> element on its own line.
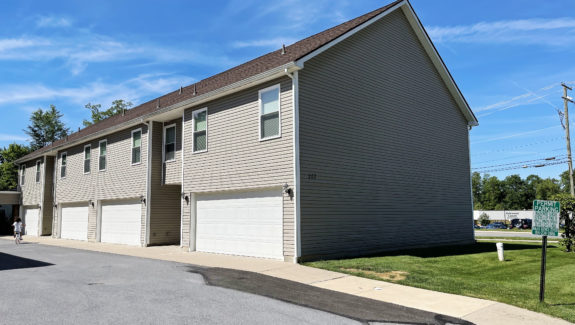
<point x="121" y="222"/>
<point x="75" y="222"/>
<point x="241" y="223"/>
<point x="31" y="219"/>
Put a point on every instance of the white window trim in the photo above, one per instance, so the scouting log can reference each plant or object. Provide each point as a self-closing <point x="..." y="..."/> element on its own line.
<point x="164" y="142"/>
<point x="132" y="146"/>
<point x="84" y="161"/>
<point x="23" y="175"/>
<point x="194" y="129"/>
<point x="260" y="107"/>
<point x="38" y="170"/>
<point x="61" y="160"/>
<point x="100" y="154"/>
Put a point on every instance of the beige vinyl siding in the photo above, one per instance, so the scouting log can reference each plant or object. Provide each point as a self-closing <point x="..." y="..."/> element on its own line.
<point x="48" y="200"/>
<point x="120" y="180"/>
<point x="236" y="159"/>
<point x="10" y="198"/>
<point x="164" y="200"/>
<point x="383" y="148"/>
<point x="31" y="191"/>
<point x="173" y="169"/>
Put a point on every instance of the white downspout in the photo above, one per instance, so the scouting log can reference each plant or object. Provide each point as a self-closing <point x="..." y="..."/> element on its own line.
<point x="296" y="164"/>
<point x="149" y="124"/>
<point x="182" y="183"/>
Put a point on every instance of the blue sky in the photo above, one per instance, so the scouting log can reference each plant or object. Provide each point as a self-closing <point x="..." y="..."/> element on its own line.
<point x="508" y="58"/>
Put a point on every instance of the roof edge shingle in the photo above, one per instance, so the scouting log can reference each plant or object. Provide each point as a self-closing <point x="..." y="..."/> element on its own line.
<point x="228" y="77"/>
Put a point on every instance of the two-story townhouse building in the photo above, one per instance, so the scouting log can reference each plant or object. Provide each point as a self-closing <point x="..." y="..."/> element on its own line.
<point x="319" y="149"/>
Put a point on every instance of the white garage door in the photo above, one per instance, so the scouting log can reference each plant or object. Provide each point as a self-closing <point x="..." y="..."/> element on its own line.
<point x="31" y="216"/>
<point x="75" y="222"/>
<point x="121" y="222"/>
<point x="246" y="223"/>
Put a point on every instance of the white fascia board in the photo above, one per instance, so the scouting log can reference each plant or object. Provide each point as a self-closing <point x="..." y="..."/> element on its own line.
<point x="224" y="91"/>
<point x="438" y="63"/>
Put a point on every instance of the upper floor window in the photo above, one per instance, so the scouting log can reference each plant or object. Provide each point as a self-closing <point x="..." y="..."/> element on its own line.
<point x="136" y="146"/>
<point x="22" y="175"/>
<point x="63" y="162"/>
<point x="200" y="128"/>
<point x="102" y="156"/>
<point x="170" y="142"/>
<point x="269" y="100"/>
<point x="38" y="164"/>
<point x="87" y="158"/>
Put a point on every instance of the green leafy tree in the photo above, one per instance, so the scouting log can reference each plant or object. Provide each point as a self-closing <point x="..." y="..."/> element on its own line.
<point x="531" y="183"/>
<point x="514" y="193"/>
<point x="476" y="188"/>
<point x="565" y="182"/>
<point x="45" y="127"/>
<point x="118" y="106"/>
<point x="9" y="170"/>
<point x="547" y="188"/>
<point x="567" y="207"/>
<point x="492" y="193"/>
<point x="484" y="219"/>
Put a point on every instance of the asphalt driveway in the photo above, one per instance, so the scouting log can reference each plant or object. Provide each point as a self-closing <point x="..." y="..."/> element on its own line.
<point x="54" y="285"/>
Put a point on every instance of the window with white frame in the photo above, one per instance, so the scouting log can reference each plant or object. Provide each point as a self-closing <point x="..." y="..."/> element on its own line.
<point x="136" y="146"/>
<point x="269" y="100"/>
<point x="63" y="163"/>
<point x="170" y="142"/>
<point x="103" y="153"/>
<point x="87" y="158"/>
<point x="38" y="164"/>
<point x="22" y="174"/>
<point x="200" y="129"/>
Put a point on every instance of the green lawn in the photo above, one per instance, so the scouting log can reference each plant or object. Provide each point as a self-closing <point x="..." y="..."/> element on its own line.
<point x="475" y="271"/>
<point x="514" y="230"/>
<point x="534" y="239"/>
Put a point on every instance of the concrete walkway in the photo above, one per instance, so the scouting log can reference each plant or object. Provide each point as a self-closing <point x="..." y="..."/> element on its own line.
<point x="475" y="310"/>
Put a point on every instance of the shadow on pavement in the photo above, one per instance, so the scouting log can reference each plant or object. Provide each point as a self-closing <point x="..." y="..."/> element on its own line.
<point x="358" y="308"/>
<point x="12" y="262"/>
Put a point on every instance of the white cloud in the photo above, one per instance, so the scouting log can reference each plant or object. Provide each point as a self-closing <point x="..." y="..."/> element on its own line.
<point x="551" y="32"/>
<point x="514" y="135"/>
<point x="12" y="137"/>
<point x="133" y="90"/>
<point x="268" y="43"/>
<point x="527" y="98"/>
<point x="51" y="21"/>
<point x="79" y="51"/>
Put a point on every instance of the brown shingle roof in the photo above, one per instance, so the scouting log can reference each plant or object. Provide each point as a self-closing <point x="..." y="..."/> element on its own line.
<point x="251" y="68"/>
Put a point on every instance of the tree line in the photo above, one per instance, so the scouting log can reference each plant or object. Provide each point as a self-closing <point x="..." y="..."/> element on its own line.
<point x="46" y="126"/>
<point x="514" y="192"/>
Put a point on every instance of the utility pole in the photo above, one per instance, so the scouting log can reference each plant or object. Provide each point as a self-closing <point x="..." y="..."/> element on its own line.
<point x="566" y="100"/>
<point x="569" y="219"/>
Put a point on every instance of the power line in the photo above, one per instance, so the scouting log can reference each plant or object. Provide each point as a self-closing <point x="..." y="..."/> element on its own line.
<point x="523" y="162"/>
<point x="520" y="146"/>
<point x="523" y="167"/>
<point x="518" y="155"/>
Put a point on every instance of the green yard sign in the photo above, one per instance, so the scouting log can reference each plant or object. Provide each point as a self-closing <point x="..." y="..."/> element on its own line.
<point x="545" y="218"/>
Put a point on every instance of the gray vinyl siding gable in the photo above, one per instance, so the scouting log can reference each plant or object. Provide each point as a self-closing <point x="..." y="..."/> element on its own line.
<point x="120" y="180"/>
<point x="383" y="148"/>
<point x="236" y="159"/>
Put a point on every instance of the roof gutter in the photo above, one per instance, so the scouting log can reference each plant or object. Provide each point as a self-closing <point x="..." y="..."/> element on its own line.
<point x="224" y="91"/>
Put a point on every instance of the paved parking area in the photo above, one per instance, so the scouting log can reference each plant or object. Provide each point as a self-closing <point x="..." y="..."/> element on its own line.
<point x="55" y="285"/>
